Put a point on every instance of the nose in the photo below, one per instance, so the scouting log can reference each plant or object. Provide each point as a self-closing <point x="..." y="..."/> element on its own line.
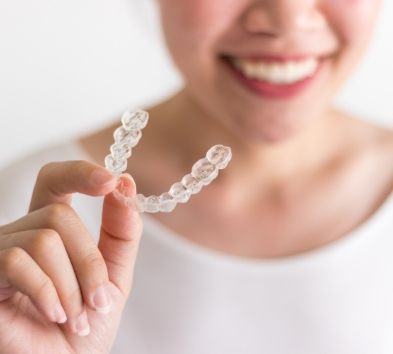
<point x="281" y="17"/>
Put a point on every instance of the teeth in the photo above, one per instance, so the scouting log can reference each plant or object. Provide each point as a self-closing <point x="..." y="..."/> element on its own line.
<point x="277" y="73"/>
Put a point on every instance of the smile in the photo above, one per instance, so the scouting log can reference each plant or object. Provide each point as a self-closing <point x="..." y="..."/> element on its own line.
<point x="277" y="72"/>
<point x="275" y="78"/>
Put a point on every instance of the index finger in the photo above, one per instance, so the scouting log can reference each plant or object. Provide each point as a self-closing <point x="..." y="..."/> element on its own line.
<point x="57" y="181"/>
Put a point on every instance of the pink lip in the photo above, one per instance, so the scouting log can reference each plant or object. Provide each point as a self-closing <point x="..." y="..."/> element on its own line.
<point x="278" y="58"/>
<point x="267" y="89"/>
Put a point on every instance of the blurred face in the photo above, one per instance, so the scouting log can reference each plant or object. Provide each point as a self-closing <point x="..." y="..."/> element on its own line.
<point x="266" y="68"/>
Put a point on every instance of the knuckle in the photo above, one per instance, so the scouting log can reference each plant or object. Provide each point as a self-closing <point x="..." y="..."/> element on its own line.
<point x="46" y="240"/>
<point x="93" y="260"/>
<point x="59" y="211"/>
<point x="43" y="289"/>
<point x="11" y="258"/>
<point x="80" y="169"/>
<point x="79" y="166"/>
<point x="44" y="170"/>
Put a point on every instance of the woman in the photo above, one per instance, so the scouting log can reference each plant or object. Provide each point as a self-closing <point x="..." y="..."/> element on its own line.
<point x="287" y="252"/>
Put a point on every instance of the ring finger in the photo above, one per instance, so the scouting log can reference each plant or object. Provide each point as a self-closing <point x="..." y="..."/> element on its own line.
<point x="46" y="248"/>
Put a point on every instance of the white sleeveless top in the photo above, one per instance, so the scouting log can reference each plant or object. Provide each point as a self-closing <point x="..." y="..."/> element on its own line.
<point x="187" y="299"/>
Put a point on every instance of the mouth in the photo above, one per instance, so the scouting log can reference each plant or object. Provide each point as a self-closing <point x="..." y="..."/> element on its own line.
<point x="275" y="77"/>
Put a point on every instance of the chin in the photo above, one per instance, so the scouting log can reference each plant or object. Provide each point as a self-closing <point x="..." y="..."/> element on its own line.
<point x="273" y="128"/>
<point x="272" y="134"/>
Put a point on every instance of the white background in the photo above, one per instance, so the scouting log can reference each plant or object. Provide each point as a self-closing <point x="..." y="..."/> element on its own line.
<point x="68" y="67"/>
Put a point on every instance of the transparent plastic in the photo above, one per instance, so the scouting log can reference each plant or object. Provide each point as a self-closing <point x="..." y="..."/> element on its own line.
<point x="203" y="172"/>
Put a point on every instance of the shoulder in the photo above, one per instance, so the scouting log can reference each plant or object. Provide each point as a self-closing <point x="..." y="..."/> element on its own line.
<point x="367" y="137"/>
<point x="371" y="150"/>
<point x="365" y="148"/>
<point x="17" y="179"/>
<point x="379" y="142"/>
<point x="387" y="151"/>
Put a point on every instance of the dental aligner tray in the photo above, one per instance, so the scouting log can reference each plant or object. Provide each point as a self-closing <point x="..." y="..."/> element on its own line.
<point x="203" y="172"/>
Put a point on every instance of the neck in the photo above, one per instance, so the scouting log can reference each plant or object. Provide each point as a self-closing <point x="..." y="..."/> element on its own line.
<point x="184" y="124"/>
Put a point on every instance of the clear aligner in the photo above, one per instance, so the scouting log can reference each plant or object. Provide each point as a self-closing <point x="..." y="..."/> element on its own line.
<point x="126" y="137"/>
<point x="203" y="172"/>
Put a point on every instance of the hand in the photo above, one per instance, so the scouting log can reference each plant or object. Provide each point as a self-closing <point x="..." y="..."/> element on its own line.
<point x="49" y="262"/>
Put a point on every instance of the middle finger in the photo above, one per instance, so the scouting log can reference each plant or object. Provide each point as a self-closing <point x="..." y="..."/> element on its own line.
<point x="87" y="261"/>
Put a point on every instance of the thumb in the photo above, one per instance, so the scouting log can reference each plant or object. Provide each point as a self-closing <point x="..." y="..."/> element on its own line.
<point x="120" y="234"/>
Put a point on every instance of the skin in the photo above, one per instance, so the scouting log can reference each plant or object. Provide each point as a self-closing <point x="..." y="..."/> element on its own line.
<point x="48" y="256"/>
<point x="300" y="176"/>
<point x="281" y="204"/>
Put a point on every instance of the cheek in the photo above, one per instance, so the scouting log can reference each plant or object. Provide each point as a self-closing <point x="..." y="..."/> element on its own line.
<point x="197" y="23"/>
<point x="192" y="30"/>
<point x="190" y="17"/>
<point x="352" y="20"/>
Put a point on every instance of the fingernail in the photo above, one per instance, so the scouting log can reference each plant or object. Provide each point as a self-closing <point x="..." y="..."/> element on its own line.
<point x="82" y="325"/>
<point x="126" y="185"/>
<point x="59" y="314"/>
<point x="101" y="300"/>
<point x="100" y="176"/>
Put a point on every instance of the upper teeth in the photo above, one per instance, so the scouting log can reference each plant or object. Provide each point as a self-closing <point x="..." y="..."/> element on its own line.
<point x="275" y="72"/>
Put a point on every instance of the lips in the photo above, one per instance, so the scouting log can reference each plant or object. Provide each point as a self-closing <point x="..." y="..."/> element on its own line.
<point x="276" y="77"/>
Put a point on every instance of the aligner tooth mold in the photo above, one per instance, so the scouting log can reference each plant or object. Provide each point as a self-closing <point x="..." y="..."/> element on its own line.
<point x="120" y="151"/>
<point x="152" y="204"/>
<point x="203" y="172"/>
<point x="179" y="193"/>
<point x="136" y="120"/>
<point x="167" y="203"/>
<point x="191" y="183"/>
<point x="219" y="155"/>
